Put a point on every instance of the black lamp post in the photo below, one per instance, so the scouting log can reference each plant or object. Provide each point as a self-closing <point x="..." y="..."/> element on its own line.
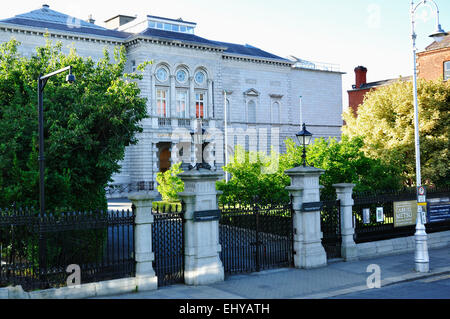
<point x="304" y="138"/>
<point x="42" y="81"/>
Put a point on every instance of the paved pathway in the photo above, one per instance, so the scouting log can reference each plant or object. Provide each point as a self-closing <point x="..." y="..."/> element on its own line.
<point x="337" y="279"/>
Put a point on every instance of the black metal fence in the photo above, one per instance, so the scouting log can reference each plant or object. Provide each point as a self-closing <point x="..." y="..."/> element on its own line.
<point x="255" y="237"/>
<point x="36" y="251"/>
<point x="373" y="230"/>
<point x="168" y="244"/>
<point x="330" y="224"/>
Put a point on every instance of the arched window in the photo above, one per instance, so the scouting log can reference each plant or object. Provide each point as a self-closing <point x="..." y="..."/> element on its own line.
<point x="276" y="112"/>
<point x="251" y="111"/>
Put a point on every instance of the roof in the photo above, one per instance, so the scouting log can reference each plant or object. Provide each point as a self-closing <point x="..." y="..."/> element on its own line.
<point x="50" y="19"/>
<point x="46" y="18"/>
<point x="382" y="83"/>
<point x="174" y="20"/>
<point x="248" y="50"/>
<point x="184" y="37"/>
<point x="445" y="43"/>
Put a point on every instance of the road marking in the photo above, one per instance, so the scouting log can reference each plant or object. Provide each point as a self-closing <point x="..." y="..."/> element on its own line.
<point x="435" y="278"/>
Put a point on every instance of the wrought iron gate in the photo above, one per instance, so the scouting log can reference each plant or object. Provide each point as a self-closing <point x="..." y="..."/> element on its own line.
<point x="255" y="237"/>
<point x="330" y="223"/>
<point x="168" y="247"/>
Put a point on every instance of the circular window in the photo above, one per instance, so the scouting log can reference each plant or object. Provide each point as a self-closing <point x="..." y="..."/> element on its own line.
<point x="200" y="77"/>
<point x="161" y="74"/>
<point x="181" y="76"/>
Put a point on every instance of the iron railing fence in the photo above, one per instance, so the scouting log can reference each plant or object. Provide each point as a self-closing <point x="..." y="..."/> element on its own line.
<point x="36" y="251"/>
<point x="375" y="230"/>
<point x="124" y="189"/>
<point x="255" y="236"/>
<point x="168" y="244"/>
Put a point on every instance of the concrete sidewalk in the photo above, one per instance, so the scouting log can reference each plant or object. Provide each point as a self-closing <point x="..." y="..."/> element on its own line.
<point x="336" y="279"/>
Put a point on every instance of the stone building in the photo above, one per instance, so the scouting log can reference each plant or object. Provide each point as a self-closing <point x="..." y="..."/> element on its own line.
<point x="266" y="95"/>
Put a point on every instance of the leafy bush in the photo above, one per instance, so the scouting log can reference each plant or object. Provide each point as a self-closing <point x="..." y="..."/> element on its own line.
<point x="169" y="184"/>
<point x="87" y="126"/>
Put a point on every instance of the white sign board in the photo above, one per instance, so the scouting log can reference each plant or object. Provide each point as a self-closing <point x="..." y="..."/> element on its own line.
<point x="380" y="215"/>
<point x="366" y="215"/>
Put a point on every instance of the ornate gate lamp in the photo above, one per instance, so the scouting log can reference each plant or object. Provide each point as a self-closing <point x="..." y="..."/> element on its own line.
<point x="197" y="140"/>
<point x="304" y="138"/>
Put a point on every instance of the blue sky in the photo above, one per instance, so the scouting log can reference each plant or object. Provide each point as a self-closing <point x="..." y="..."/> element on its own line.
<point x="373" y="33"/>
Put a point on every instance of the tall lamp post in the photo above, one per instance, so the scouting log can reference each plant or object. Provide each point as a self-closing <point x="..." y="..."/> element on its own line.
<point x="42" y="81"/>
<point x="421" y="251"/>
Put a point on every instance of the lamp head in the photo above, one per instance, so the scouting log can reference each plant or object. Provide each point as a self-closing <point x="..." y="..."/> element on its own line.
<point x="70" y="78"/>
<point x="439" y="35"/>
<point x="304" y="137"/>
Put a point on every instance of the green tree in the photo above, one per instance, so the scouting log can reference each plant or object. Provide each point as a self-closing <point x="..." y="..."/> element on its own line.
<point x="343" y="162"/>
<point x="385" y="121"/>
<point x="169" y="184"/>
<point x="256" y="174"/>
<point x="87" y="125"/>
<point x="253" y="174"/>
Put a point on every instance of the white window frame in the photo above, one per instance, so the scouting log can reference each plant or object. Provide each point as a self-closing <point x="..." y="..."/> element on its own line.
<point x="185" y="114"/>
<point x="248" y="111"/>
<point x="272" y="113"/>
<point x="446" y="70"/>
<point x="203" y="101"/>
<point x="160" y="100"/>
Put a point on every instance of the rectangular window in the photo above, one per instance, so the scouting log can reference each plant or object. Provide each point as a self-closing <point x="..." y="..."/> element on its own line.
<point x="159" y="25"/>
<point x="182" y="104"/>
<point x="152" y="24"/>
<point x="200" y="107"/>
<point x="182" y="28"/>
<point x="276" y="112"/>
<point x="446" y="70"/>
<point x="175" y="27"/>
<point x="167" y="27"/>
<point x="161" y="103"/>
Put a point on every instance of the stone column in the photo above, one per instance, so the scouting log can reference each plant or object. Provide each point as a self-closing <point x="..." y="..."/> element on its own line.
<point x="173" y="99"/>
<point x="209" y="114"/>
<point x="202" y="264"/>
<point x="191" y="98"/>
<point x="309" y="251"/>
<point x="348" y="246"/>
<point x="145" y="275"/>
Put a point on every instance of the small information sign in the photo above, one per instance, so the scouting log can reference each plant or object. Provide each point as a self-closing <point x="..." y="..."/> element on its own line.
<point x="366" y="215"/>
<point x="405" y="213"/>
<point x="380" y="215"/>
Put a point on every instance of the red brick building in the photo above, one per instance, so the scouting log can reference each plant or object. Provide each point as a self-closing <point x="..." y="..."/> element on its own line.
<point x="434" y="62"/>
<point x="361" y="87"/>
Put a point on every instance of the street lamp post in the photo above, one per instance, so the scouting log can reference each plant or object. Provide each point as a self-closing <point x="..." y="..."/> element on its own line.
<point x="42" y="81"/>
<point x="421" y="251"/>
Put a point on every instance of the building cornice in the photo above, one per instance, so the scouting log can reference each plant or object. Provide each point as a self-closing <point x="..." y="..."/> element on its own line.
<point x="137" y="39"/>
<point x="13" y="28"/>
<point x="255" y="59"/>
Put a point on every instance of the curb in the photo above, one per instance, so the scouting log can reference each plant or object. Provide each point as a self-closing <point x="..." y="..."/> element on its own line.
<point x="384" y="283"/>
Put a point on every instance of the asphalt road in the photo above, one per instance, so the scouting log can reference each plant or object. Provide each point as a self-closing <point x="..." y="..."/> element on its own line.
<point x="437" y="287"/>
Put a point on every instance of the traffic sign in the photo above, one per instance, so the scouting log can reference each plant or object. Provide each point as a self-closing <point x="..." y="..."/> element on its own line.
<point x="421" y="194"/>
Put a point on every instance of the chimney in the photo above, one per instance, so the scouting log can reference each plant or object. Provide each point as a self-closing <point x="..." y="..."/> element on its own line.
<point x="117" y="21"/>
<point x="90" y="19"/>
<point x="360" y="76"/>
